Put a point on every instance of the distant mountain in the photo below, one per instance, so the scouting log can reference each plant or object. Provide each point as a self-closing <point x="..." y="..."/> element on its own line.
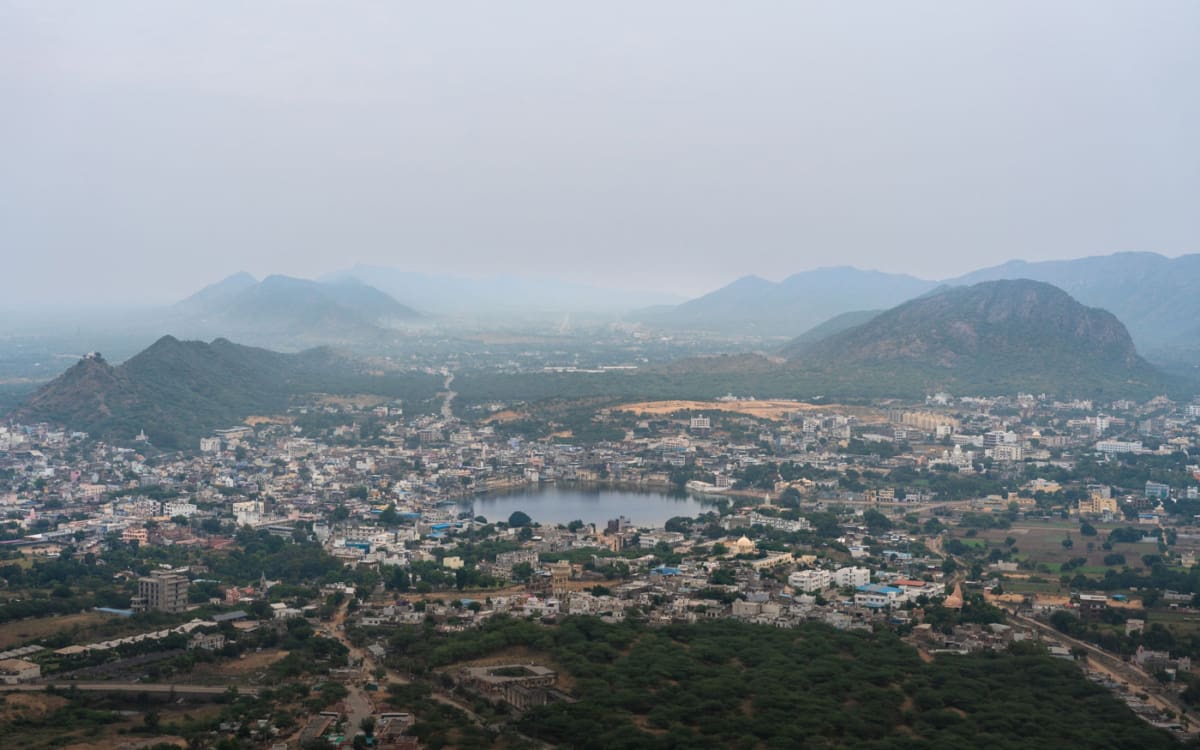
<point x="178" y="390"/>
<point x="289" y="310"/>
<point x="991" y="337"/>
<point x="1154" y="296"/>
<point x="453" y="295"/>
<point x="836" y="324"/>
<point x="755" y="306"/>
<point x="213" y="296"/>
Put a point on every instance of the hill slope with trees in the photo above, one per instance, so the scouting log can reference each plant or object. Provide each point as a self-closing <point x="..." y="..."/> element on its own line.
<point x="178" y="390"/>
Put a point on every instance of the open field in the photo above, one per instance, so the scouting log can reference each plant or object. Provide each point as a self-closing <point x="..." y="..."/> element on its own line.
<point x="1043" y="543"/>
<point x="356" y="401"/>
<point x="29" y="706"/>
<point x="37" y="721"/>
<point x="235" y="671"/>
<point x="256" y="420"/>
<point x="1055" y="600"/>
<point x="21" y="631"/>
<point x="505" y="415"/>
<point x="777" y="410"/>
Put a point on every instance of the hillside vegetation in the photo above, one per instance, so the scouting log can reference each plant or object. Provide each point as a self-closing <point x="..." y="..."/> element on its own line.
<point x="1023" y="334"/>
<point x="178" y="390"/>
<point x="729" y="684"/>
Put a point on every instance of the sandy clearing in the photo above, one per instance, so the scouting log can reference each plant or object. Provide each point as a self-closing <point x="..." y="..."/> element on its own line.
<point x="773" y="409"/>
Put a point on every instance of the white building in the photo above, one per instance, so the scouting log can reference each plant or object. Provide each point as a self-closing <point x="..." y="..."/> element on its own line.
<point x="174" y="508"/>
<point x="782" y="524"/>
<point x="851" y="577"/>
<point x="1007" y="453"/>
<point x="810" y="580"/>
<point x="1113" y="447"/>
<point x="248" y="512"/>
<point x="877" y="597"/>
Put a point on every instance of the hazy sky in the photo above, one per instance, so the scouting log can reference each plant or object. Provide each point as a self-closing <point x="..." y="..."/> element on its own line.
<point x="147" y="148"/>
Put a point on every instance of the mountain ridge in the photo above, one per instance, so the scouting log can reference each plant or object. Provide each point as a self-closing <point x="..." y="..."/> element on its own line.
<point x="283" y="308"/>
<point x="752" y="304"/>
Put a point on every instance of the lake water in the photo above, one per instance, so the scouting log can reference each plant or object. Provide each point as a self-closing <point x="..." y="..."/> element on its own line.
<point x="561" y="505"/>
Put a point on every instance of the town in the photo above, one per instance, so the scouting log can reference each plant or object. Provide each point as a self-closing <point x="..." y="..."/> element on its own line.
<point x="317" y="539"/>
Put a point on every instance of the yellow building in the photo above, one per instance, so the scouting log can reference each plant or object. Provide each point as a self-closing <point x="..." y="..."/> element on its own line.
<point x="1097" y="505"/>
<point x="744" y="546"/>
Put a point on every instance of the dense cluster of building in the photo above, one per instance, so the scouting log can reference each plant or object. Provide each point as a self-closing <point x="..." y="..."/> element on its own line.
<point x="398" y="498"/>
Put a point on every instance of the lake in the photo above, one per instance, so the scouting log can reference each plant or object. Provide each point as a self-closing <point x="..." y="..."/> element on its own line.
<point x="561" y="505"/>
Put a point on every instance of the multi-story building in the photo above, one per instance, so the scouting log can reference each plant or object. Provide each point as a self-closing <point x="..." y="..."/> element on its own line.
<point x="1097" y="504"/>
<point x="876" y="596"/>
<point x="925" y="421"/>
<point x="1112" y="447"/>
<point x="174" y="508"/>
<point x="851" y="577"/>
<point x="810" y="580"/>
<point x="135" y="534"/>
<point x="161" y="591"/>
<point x="1158" y="491"/>
<point x="1007" y="453"/>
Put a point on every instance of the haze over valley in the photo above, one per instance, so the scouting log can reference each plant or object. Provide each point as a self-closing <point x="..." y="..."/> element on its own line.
<point x="532" y="375"/>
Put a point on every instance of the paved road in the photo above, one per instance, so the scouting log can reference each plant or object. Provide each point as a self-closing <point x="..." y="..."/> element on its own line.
<point x="1115" y="667"/>
<point x="1098" y="659"/>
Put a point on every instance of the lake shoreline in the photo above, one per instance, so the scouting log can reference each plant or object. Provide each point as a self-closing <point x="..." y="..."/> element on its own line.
<point x="590" y="502"/>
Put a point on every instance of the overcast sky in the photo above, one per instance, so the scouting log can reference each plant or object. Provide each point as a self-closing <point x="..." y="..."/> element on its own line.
<point x="147" y="148"/>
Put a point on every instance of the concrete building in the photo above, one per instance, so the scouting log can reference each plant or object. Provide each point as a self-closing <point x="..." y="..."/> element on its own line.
<point x="876" y="596"/>
<point x="1158" y="491"/>
<point x="1097" y="505"/>
<point x="207" y="641"/>
<point x="161" y="591"/>
<point x="1113" y="447"/>
<point x="851" y="577"/>
<point x="810" y="580"/>
<point x="522" y="686"/>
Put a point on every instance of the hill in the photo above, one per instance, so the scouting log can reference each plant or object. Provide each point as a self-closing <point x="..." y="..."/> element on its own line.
<point x="1154" y="296"/>
<point x="755" y="306"/>
<point x="287" y="309"/>
<point x="997" y="336"/>
<point x="178" y="390"/>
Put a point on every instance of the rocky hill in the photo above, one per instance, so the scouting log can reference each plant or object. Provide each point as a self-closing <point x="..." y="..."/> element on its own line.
<point x="178" y="390"/>
<point x="1153" y="295"/>
<point x="997" y="336"/>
